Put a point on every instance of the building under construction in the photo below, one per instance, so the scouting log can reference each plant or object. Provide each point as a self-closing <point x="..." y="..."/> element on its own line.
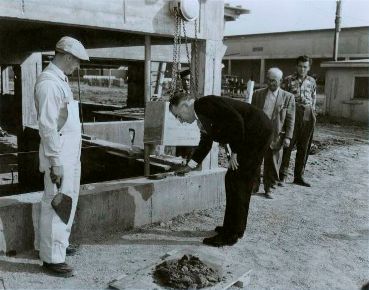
<point x="115" y="193"/>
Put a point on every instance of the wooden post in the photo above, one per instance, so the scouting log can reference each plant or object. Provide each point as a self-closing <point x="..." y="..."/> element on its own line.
<point x="337" y="30"/>
<point x="109" y="82"/>
<point x="229" y="66"/>
<point x="147" y="68"/>
<point x="147" y="147"/>
<point x="1" y="80"/>
<point x="262" y="71"/>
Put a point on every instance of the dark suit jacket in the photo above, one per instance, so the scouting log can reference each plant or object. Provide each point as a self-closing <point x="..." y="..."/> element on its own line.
<point x="229" y="121"/>
<point x="283" y="117"/>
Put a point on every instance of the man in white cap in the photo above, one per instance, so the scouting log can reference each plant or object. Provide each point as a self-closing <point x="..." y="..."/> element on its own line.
<point x="60" y="150"/>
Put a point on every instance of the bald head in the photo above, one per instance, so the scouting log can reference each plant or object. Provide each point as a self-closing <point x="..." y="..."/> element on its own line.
<point x="275" y="73"/>
<point x="274" y="77"/>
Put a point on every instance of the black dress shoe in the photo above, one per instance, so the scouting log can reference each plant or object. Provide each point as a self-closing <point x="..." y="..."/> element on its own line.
<point x="72" y="250"/>
<point x="59" y="270"/>
<point x="302" y="182"/>
<point x="221" y="240"/>
<point x="280" y="183"/>
<point x="255" y="188"/>
<point x="220" y="230"/>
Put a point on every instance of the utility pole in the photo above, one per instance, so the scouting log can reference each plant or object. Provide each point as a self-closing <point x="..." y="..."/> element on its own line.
<point x="337" y="29"/>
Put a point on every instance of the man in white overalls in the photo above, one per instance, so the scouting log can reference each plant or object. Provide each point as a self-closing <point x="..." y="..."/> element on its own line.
<point x="60" y="151"/>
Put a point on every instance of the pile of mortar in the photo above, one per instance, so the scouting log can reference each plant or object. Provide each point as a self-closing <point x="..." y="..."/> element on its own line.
<point x="189" y="272"/>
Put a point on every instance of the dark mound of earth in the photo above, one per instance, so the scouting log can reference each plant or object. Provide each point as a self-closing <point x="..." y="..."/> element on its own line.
<point x="189" y="272"/>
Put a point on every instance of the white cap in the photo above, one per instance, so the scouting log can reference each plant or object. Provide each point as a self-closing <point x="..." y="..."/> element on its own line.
<point x="72" y="46"/>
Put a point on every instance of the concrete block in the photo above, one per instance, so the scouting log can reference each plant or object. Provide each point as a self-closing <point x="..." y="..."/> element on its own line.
<point x="16" y="228"/>
<point x="162" y="128"/>
<point x="117" y="131"/>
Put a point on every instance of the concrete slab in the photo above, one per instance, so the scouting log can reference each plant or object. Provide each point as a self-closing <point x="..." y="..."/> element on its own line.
<point x="114" y="206"/>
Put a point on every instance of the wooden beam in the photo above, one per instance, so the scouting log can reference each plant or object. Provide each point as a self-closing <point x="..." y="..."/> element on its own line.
<point x="147" y="147"/>
<point x="141" y="16"/>
<point x="147" y="68"/>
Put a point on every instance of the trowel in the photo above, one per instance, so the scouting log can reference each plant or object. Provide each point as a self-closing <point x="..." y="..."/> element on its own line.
<point x="62" y="204"/>
<point x="163" y="175"/>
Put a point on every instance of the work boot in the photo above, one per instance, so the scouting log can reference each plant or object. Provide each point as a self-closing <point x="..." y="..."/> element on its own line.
<point x="221" y="240"/>
<point x="59" y="270"/>
<point x="220" y="230"/>
<point x="72" y="250"/>
<point x="301" y="181"/>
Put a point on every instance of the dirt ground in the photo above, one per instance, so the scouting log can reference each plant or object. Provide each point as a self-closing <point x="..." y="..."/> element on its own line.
<point x="304" y="238"/>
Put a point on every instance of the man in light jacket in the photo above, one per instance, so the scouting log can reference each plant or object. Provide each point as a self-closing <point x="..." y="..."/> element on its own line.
<point x="279" y="106"/>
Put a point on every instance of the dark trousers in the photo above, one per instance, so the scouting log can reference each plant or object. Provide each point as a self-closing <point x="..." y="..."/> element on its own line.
<point x="302" y="138"/>
<point x="272" y="162"/>
<point x="239" y="184"/>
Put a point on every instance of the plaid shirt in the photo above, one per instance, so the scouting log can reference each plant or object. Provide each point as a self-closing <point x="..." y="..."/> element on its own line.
<point x="304" y="90"/>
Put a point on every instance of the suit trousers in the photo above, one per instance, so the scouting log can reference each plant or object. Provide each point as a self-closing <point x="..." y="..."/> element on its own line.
<point x="239" y="184"/>
<point x="302" y="138"/>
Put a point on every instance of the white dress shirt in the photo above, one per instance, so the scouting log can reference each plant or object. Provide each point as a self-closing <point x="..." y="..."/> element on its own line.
<point x="270" y="101"/>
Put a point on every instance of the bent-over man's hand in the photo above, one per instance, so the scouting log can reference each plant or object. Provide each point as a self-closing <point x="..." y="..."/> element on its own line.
<point x="56" y="174"/>
<point x="286" y="142"/>
<point x="183" y="170"/>
<point x="233" y="162"/>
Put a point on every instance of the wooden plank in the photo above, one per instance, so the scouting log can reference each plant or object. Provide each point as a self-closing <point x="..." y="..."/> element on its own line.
<point x="231" y="272"/>
<point x="30" y="69"/>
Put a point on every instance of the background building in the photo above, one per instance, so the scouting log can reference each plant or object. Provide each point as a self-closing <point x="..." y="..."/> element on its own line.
<point x="250" y="56"/>
<point x="347" y="89"/>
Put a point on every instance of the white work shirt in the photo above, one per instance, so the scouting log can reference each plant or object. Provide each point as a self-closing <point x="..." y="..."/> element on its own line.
<point x="52" y="93"/>
<point x="269" y="103"/>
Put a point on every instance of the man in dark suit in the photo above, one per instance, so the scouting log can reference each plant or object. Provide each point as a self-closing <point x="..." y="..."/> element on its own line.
<point x="279" y="106"/>
<point x="248" y="132"/>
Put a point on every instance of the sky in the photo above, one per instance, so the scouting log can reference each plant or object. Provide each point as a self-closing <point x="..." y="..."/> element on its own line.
<point x="290" y="15"/>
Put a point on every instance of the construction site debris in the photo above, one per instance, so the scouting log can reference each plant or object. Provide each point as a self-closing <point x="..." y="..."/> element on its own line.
<point x="189" y="272"/>
<point x="317" y="145"/>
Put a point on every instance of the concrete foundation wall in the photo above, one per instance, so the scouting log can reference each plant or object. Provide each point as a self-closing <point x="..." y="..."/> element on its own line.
<point x="114" y="205"/>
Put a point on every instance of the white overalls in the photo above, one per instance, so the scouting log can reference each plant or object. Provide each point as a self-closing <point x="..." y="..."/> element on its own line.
<point x="53" y="233"/>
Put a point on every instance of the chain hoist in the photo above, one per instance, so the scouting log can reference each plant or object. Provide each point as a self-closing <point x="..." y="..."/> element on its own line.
<point x="181" y="17"/>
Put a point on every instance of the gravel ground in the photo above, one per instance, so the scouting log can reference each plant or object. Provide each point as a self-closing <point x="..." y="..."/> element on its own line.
<point x="304" y="238"/>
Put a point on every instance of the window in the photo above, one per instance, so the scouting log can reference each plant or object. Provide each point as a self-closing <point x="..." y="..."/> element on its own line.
<point x="257" y="48"/>
<point x="361" y="88"/>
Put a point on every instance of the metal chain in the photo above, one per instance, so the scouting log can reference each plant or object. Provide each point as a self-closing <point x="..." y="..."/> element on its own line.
<point x="175" y="55"/>
<point x="196" y="60"/>
<point x="179" y="80"/>
<point x="177" y="43"/>
<point x="192" y="77"/>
